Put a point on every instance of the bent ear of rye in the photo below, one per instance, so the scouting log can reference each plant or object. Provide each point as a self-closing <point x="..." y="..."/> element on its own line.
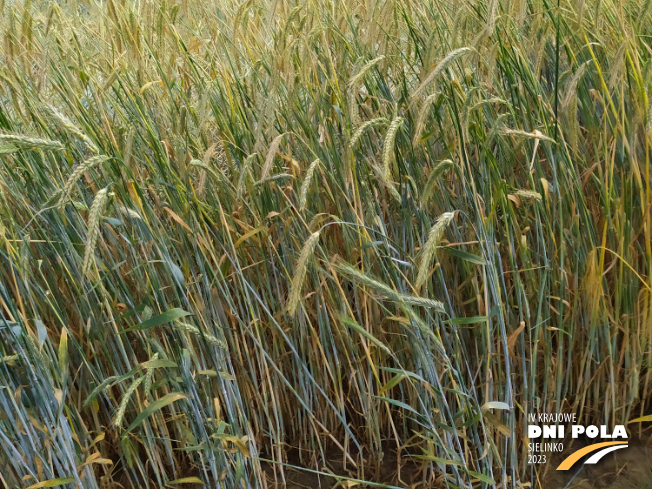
<point x="93" y="232"/>
<point x="441" y="66"/>
<point x="19" y="142"/>
<point x="434" y="236"/>
<point x="300" y="273"/>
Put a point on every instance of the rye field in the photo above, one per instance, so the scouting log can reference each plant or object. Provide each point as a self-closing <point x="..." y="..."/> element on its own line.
<point x="359" y="241"/>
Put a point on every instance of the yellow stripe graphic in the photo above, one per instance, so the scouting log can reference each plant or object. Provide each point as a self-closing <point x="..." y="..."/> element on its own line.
<point x="574" y="457"/>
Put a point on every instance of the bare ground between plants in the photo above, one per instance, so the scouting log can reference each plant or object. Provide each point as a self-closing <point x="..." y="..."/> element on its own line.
<point x="630" y="468"/>
<point x="624" y="469"/>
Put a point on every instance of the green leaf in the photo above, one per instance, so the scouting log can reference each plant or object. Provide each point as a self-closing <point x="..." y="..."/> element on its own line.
<point x="642" y="419"/>
<point x="483" y="478"/>
<point x="209" y="373"/>
<point x="103" y="385"/>
<point x="494" y="311"/>
<point x="471" y="421"/>
<point x="176" y="272"/>
<point x="186" y="480"/>
<point x="163" y="363"/>
<point x="166" y="317"/>
<point x="63" y="353"/>
<point x="393" y="382"/>
<point x="464" y="255"/>
<point x="495" y="421"/>
<point x="14" y="326"/>
<point x="113" y="221"/>
<point x="437" y="460"/>
<point x="41" y="332"/>
<point x="153" y="407"/>
<point x="404" y="372"/>
<point x="53" y="483"/>
<point x="351" y="323"/>
<point x="109" y="381"/>
<point x="495" y="405"/>
<point x="471" y="320"/>
<point x="399" y="404"/>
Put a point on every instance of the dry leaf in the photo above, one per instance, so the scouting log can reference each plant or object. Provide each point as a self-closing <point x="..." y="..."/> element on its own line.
<point x="511" y="341"/>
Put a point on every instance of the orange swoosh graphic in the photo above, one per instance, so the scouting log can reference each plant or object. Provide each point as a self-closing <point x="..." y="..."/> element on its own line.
<point x="574" y="457"/>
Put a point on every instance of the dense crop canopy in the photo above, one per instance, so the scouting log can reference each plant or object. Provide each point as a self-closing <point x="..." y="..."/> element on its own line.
<point x="344" y="236"/>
